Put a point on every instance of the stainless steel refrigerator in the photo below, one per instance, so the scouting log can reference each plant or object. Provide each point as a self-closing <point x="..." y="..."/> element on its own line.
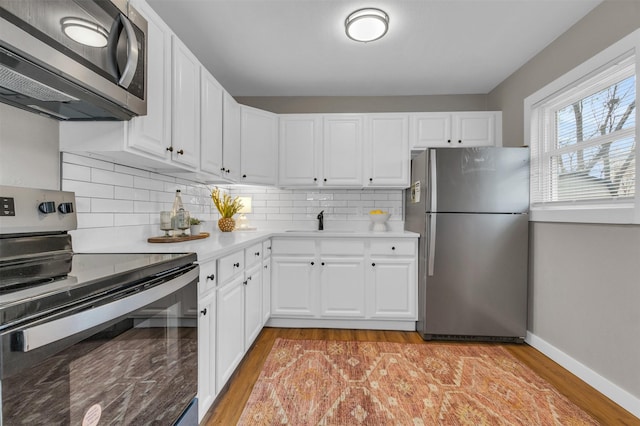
<point x="470" y="207"/>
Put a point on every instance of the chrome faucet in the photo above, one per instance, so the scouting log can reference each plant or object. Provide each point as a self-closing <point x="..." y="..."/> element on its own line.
<point x="321" y="220"/>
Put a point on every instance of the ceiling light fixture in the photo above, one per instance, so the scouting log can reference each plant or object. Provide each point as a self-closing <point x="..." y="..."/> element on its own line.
<point x="85" y="32"/>
<point x="367" y="25"/>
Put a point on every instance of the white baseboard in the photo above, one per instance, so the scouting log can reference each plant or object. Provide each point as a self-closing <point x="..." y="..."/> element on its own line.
<point x="612" y="391"/>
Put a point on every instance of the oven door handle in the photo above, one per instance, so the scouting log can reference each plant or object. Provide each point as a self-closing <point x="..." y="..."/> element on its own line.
<point x="41" y="335"/>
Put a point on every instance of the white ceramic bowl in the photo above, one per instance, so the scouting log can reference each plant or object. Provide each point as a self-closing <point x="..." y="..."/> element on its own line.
<point x="379" y="221"/>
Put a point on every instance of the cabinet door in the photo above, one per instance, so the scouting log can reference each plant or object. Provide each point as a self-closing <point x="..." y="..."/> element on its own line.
<point x="342" y="150"/>
<point x="229" y="330"/>
<point x="266" y="291"/>
<point x="259" y="146"/>
<point x="300" y="142"/>
<point x="342" y="287"/>
<point x="206" y="354"/>
<point x="252" y="305"/>
<point x="392" y="288"/>
<point x="474" y="129"/>
<point x="432" y="129"/>
<point x="292" y="290"/>
<point x="210" y="124"/>
<point x="185" y="124"/>
<point x="230" y="137"/>
<point x="151" y="133"/>
<point x="387" y="155"/>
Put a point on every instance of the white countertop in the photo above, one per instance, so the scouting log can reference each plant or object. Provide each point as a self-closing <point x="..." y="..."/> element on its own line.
<point x="217" y="244"/>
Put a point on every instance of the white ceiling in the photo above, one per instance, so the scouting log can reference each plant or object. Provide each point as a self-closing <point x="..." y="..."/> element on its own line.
<point x="433" y="47"/>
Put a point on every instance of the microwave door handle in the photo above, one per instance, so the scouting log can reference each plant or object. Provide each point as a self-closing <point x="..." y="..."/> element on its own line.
<point x="132" y="54"/>
<point x="119" y="24"/>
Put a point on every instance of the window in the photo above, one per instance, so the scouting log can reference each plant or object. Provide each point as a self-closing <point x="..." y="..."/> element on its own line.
<point x="583" y="138"/>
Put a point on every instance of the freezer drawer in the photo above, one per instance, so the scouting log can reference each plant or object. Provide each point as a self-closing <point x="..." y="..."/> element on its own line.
<point x="476" y="275"/>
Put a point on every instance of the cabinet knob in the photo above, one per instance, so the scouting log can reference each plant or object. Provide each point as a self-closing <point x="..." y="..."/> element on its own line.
<point x="266" y="266"/>
<point x="459" y="141"/>
<point x="204" y="311"/>
<point x="248" y="279"/>
<point x="312" y="263"/>
<point x="448" y="140"/>
<point x="315" y="179"/>
<point x="211" y="277"/>
<point x="228" y="170"/>
<point x="373" y="264"/>
<point x="393" y="248"/>
<point x="257" y="253"/>
<point x="370" y="179"/>
<point x="236" y="265"/>
<point x="244" y="282"/>
<point x="244" y="176"/>
<point x="180" y="152"/>
<point x="325" y="179"/>
<point x="322" y="263"/>
<point x="170" y="149"/>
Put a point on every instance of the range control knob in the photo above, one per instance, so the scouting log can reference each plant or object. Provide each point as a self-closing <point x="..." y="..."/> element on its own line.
<point x="65" y="208"/>
<point x="47" y="207"/>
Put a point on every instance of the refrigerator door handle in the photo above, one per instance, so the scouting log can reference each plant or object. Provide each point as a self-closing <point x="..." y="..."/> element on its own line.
<point x="431" y="248"/>
<point x="433" y="181"/>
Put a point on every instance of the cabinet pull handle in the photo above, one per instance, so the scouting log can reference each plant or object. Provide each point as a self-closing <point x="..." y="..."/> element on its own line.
<point x="236" y="265"/>
<point x="373" y="264"/>
<point x="204" y="311"/>
<point x="170" y="149"/>
<point x="312" y="263"/>
<point x="180" y="152"/>
<point x="211" y="277"/>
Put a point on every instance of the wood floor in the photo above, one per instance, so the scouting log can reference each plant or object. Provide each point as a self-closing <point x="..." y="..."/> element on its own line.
<point x="229" y="405"/>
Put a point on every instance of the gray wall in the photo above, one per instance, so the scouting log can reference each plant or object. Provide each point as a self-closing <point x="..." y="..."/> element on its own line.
<point x="584" y="282"/>
<point x="29" y="145"/>
<point x="331" y="104"/>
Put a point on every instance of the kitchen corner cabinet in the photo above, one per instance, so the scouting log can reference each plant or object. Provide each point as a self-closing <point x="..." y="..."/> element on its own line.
<point x="386" y="153"/>
<point x="211" y="101"/>
<point x="455" y="129"/>
<point x="342" y="150"/>
<point x="259" y="146"/>
<point x="230" y="138"/>
<point x="300" y="150"/>
<point x="185" y="124"/>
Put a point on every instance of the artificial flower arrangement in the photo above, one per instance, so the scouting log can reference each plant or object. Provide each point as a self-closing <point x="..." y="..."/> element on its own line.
<point x="227" y="208"/>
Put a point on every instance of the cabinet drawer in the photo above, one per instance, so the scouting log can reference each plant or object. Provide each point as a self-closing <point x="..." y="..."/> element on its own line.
<point x="293" y="246"/>
<point x="266" y="248"/>
<point x="230" y="265"/>
<point x="393" y="247"/>
<point x="208" y="276"/>
<point x="338" y="246"/>
<point x="253" y="255"/>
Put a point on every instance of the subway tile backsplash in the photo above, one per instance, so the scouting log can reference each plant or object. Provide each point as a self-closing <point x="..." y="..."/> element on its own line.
<point x="112" y="195"/>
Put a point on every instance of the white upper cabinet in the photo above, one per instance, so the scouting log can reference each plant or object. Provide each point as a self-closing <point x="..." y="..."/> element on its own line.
<point x="455" y="129"/>
<point x="230" y="138"/>
<point x="210" y="124"/>
<point x="300" y="150"/>
<point x="342" y="150"/>
<point x="151" y="133"/>
<point x="386" y="153"/>
<point x="185" y="125"/>
<point x="259" y="146"/>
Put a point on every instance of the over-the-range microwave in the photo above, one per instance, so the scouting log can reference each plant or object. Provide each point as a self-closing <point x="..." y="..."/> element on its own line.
<point x="73" y="59"/>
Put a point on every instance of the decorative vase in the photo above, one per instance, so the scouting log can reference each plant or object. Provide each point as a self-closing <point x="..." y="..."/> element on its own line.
<point x="226" y="224"/>
<point x="196" y="229"/>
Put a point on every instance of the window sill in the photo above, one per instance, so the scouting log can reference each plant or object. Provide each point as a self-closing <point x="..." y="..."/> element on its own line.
<point x="622" y="214"/>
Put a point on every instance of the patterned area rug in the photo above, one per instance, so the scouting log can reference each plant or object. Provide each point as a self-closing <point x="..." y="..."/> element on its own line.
<point x="309" y="382"/>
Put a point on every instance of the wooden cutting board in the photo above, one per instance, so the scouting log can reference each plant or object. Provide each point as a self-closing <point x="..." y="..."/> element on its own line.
<point x="177" y="239"/>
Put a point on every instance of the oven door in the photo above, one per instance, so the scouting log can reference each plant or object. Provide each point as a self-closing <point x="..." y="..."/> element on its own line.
<point x="129" y="357"/>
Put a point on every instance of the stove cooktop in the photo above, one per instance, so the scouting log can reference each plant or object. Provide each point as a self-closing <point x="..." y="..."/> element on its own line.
<point x="91" y="275"/>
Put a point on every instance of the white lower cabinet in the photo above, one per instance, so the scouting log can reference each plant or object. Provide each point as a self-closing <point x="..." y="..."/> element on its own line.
<point x="206" y="353"/>
<point x="230" y="329"/>
<point x="252" y="304"/>
<point x="344" y="282"/>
